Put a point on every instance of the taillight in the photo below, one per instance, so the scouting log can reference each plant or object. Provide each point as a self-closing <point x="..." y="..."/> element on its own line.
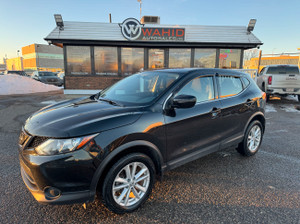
<point x="270" y="80"/>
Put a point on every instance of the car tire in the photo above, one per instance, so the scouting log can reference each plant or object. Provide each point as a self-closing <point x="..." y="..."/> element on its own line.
<point x="122" y="193"/>
<point x="252" y="139"/>
<point x="299" y="98"/>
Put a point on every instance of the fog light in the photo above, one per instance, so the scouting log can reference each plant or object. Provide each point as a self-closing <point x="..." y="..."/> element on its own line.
<point x="52" y="192"/>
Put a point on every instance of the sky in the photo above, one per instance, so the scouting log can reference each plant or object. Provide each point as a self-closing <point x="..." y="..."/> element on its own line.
<point x="24" y="22"/>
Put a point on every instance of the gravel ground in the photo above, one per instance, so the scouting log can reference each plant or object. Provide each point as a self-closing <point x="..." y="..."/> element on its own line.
<point x="223" y="187"/>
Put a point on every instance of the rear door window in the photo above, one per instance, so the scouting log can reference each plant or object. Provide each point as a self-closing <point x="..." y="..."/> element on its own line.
<point x="283" y="70"/>
<point x="229" y="86"/>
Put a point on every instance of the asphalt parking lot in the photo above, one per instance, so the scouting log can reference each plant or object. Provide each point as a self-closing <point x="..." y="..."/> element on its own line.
<point x="223" y="187"/>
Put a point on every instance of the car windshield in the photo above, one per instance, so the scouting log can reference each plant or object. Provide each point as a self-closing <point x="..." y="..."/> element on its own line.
<point x="46" y="74"/>
<point x="283" y="70"/>
<point x="139" y="89"/>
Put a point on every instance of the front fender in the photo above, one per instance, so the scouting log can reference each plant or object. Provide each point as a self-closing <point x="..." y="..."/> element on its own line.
<point x="122" y="148"/>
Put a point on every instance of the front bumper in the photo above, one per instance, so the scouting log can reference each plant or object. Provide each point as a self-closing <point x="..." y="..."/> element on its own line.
<point x="59" y="179"/>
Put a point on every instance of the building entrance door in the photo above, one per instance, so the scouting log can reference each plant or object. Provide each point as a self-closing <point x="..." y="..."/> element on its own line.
<point x="156" y="58"/>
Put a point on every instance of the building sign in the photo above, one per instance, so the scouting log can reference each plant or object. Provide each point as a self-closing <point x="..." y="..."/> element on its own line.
<point x="132" y="29"/>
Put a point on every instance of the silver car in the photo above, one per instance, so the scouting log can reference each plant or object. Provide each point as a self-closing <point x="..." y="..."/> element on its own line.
<point x="47" y="78"/>
<point x="280" y="80"/>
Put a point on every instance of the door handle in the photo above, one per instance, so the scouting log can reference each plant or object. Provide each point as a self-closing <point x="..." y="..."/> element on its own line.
<point x="215" y="112"/>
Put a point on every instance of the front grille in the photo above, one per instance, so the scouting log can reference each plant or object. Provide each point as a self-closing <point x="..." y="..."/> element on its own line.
<point x="37" y="141"/>
<point x="51" y="80"/>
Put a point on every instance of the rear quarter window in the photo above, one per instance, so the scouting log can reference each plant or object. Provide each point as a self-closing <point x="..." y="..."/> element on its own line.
<point x="229" y="86"/>
<point x="246" y="82"/>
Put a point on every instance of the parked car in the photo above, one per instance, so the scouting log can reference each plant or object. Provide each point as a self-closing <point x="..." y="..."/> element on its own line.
<point x="61" y="75"/>
<point x="280" y="80"/>
<point x="47" y="78"/>
<point x="21" y="73"/>
<point x="1" y="73"/>
<point x="116" y="143"/>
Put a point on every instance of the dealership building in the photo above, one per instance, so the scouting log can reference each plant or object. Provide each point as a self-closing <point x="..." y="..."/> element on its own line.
<point x="97" y="55"/>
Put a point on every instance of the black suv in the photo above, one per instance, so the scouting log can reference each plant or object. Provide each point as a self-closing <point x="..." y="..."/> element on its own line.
<point x="116" y="143"/>
<point x="21" y="73"/>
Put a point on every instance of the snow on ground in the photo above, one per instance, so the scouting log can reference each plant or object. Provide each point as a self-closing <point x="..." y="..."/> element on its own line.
<point x="289" y="108"/>
<point x="15" y="84"/>
<point x="270" y="108"/>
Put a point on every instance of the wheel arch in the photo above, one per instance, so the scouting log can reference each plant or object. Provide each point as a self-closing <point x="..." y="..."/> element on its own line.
<point x="257" y="116"/>
<point x="141" y="146"/>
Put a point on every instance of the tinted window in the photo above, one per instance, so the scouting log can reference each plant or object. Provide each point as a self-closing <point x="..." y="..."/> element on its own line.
<point x="46" y="74"/>
<point x="79" y="60"/>
<point x="156" y="58"/>
<point x="205" y="58"/>
<point x="132" y="60"/>
<point x="283" y="70"/>
<point x="201" y="87"/>
<point x="179" y="58"/>
<point x="229" y="58"/>
<point x="229" y="85"/>
<point x="246" y="82"/>
<point x="106" y="60"/>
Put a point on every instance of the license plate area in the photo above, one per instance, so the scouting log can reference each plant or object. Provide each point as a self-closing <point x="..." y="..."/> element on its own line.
<point x="291" y="77"/>
<point x="289" y="90"/>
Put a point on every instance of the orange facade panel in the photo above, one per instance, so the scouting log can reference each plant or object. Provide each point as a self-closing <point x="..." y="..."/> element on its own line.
<point x="28" y="49"/>
<point x="29" y="63"/>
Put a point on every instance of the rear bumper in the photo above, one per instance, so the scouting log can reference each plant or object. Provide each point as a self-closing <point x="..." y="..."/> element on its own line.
<point x="283" y="91"/>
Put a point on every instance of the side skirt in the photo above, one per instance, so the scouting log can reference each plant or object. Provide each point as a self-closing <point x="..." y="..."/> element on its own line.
<point x="192" y="156"/>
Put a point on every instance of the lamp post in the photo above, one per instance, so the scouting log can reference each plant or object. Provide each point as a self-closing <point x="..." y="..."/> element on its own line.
<point x="18" y="52"/>
<point x="38" y="58"/>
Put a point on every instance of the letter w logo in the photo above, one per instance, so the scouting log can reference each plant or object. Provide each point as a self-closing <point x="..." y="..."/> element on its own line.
<point x="132" y="29"/>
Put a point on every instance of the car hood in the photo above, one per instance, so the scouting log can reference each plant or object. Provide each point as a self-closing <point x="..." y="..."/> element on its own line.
<point x="82" y="116"/>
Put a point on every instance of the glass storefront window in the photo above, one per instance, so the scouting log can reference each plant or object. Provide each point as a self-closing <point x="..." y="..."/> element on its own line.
<point x="106" y="60"/>
<point x="205" y="58"/>
<point x="229" y="58"/>
<point x="179" y="58"/>
<point x="156" y="58"/>
<point x="132" y="60"/>
<point x="79" y="60"/>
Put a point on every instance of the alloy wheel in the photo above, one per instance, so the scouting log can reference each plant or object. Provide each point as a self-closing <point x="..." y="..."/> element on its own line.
<point x="131" y="184"/>
<point x="254" y="138"/>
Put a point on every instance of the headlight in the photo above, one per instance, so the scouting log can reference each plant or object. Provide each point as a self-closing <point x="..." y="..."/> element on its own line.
<point x="58" y="146"/>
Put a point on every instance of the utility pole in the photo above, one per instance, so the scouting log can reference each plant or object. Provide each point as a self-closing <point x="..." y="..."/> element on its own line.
<point x="140" y="1"/>
<point x="259" y="59"/>
<point x="299" y="58"/>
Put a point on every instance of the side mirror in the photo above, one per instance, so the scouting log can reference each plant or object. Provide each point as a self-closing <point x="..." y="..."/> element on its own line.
<point x="184" y="101"/>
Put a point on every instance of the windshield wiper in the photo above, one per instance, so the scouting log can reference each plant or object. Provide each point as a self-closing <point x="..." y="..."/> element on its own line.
<point x="110" y="102"/>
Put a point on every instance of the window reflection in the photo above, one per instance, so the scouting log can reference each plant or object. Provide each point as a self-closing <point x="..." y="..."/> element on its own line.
<point x="132" y="60"/>
<point x="106" y="60"/>
<point x="229" y="58"/>
<point x="201" y="87"/>
<point x="179" y="58"/>
<point x="205" y="58"/>
<point x="79" y="60"/>
<point x="156" y="58"/>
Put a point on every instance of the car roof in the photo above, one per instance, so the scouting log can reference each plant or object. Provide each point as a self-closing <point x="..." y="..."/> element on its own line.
<point x="282" y="66"/>
<point x="185" y="71"/>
